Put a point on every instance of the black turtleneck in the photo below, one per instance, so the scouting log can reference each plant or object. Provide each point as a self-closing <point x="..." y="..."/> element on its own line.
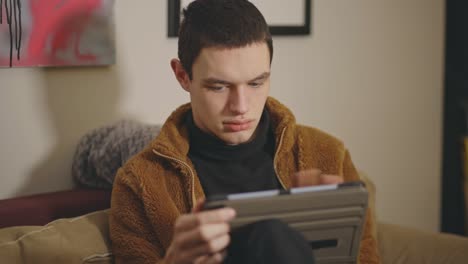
<point x="225" y="169"/>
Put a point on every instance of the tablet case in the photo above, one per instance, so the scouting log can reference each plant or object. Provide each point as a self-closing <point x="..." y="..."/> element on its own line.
<point x="331" y="219"/>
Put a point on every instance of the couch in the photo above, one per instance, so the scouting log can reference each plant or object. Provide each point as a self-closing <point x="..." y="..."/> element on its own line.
<point x="72" y="227"/>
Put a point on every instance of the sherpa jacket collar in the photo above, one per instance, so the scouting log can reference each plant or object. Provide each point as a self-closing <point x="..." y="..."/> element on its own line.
<point x="173" y="140"/>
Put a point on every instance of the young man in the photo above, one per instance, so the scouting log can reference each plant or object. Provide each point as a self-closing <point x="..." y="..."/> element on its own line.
<point x="231" y="138"/>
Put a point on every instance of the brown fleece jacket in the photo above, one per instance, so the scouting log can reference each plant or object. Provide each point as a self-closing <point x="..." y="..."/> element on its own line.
<point x="159" y="184"/>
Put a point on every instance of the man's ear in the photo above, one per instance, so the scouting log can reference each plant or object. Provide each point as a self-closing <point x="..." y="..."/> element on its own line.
<point x="180" y="74"/>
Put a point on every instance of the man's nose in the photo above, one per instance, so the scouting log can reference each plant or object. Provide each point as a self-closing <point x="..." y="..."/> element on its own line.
<point x="238" y="101"/>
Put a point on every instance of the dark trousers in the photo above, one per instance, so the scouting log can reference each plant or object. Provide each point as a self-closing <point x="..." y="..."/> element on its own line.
<point x="269" y="241"/>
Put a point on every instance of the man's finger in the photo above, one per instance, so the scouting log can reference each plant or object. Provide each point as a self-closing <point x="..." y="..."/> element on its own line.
<point x="307" y="178"/>
<point x="201" y="259"/>
<point x="194" y="220"/>
<point x="203" y="235"/>
<point x="211" y="259"/>
<point x="214" y="246"/>
<point x="215" y="216"/>
<point x="330" y="179"/>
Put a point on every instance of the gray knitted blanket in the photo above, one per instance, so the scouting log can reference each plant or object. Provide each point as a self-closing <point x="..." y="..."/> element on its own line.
<point x="102" y="151"/>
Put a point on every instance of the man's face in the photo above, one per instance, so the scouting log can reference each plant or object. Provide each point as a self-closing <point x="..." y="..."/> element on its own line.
<point x="229" y="89"/>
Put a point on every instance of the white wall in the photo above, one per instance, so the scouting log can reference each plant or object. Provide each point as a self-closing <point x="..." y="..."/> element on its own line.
<point x="371" y="74"/>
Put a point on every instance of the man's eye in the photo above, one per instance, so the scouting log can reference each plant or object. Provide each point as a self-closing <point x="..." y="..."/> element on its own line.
<point x="216" y="88"/>
<point x="255" y="84"/>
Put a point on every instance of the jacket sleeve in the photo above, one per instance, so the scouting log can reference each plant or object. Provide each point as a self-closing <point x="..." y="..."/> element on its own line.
<point x="368" y="252"/>
<point x="133" y="239"/>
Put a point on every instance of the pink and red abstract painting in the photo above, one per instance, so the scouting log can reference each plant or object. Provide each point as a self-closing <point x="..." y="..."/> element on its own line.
<point x="56" y="33"/>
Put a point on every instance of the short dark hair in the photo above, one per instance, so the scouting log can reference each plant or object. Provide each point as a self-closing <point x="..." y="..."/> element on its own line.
<point x="223" y="23"/>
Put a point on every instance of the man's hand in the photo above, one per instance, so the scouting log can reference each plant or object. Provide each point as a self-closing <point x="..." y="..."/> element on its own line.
<point x="314" y="177"/>
<point x="200" y="237"/>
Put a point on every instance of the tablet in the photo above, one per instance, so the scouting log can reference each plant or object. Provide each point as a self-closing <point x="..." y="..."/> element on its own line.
<point x="330" y="217"/>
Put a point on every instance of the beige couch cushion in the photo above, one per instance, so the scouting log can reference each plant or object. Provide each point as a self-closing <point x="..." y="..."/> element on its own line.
<point x="370" y="186"/>
<point x="83" y="239"/>
<point x="402" y="245"/>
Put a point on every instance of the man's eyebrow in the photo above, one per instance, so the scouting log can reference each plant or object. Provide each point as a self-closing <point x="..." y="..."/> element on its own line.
<point x="216" y="81"/>
<point x="260" y="77"/>
<point x="223" y="82"/>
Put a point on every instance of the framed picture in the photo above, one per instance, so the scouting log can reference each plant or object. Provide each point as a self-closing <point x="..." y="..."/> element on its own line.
<point x="290" y="17"/>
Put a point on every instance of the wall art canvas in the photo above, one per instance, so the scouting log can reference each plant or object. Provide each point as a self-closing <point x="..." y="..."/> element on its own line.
<point x="56" y="33"/>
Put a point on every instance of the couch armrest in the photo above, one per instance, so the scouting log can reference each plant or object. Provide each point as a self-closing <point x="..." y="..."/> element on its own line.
<point x="400" y="245"/>
<point x="41" y="209"/>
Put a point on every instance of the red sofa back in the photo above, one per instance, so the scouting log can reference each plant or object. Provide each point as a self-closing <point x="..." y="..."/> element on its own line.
<point x="41" y="209"/>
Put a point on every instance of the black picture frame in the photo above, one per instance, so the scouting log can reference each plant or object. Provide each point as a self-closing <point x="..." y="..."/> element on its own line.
<point x="174" y="12"/>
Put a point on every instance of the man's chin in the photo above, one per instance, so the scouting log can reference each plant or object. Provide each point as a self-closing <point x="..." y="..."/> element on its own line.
<point x="236" y="139"/>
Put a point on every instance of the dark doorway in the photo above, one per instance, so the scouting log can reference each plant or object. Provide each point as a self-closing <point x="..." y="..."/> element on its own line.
<point x="455" y="116"/>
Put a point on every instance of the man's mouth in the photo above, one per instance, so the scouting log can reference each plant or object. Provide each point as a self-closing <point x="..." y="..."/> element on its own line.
<point x="236" y="126"/>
